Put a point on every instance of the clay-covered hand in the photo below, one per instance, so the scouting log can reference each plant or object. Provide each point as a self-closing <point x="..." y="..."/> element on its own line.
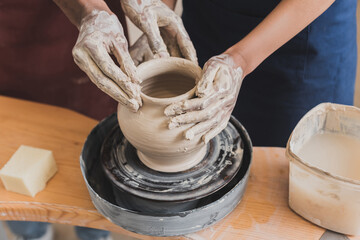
<point x="140" y="51"/>
<point x="101" y="35"/>
<point x="216" y="92"/>
<point x="164" y="29"/>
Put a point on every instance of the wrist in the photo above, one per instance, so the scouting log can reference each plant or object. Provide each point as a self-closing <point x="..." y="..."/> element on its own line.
<point x="239" y="60"/>
<point x="170" y="3"/>
<point x="91" y="8"/>
<point x="76" y="11"/>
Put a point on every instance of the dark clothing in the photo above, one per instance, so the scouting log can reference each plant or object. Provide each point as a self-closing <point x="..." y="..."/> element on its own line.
<point x="317" y="65"/>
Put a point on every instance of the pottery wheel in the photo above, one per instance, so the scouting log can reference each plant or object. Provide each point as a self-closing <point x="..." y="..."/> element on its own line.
<point x="218" y="167"/>
<point x="157" y="217"/>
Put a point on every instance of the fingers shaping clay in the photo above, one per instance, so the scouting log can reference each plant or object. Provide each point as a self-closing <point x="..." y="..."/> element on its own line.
<point x="165" y="81"/>
<point x="28" y="170"/>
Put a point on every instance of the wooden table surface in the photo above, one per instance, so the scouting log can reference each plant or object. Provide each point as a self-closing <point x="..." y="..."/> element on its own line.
<point x="262" y="214"/>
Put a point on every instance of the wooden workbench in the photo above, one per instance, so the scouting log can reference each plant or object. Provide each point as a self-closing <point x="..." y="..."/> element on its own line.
<point x="262" y="214"/>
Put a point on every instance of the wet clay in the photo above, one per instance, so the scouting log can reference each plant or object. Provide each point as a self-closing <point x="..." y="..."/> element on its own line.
<point x="101" y="34"/>
<point x="167" y="85"/>
<point x="165" y="81"/>
<point x="217" y="92"/>
<point x="324" y="175"/>
<point x="334" y="153"/>
<point x="161" y="26"/>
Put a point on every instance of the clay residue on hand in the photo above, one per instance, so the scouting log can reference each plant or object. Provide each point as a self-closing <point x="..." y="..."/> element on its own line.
<point x="101" y="35"/>
<point x="217" y="93"/>
<point x="164" y="29"/>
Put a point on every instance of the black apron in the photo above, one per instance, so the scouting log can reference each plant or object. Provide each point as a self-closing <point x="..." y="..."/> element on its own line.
<point x="317" y="65"/>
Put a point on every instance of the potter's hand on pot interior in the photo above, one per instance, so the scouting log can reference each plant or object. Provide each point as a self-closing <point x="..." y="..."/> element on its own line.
<point x="164" y="29"/>
<point x="140" y="51"/>
<point x="216" y="92"/>
<point x="101" y="35"/>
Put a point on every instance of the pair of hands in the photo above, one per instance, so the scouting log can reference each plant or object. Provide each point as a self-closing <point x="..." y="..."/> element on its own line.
<point x="101" y="35"/>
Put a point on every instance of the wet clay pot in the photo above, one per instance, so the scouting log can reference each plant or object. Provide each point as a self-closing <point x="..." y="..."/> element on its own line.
<point x="164" y="81"/>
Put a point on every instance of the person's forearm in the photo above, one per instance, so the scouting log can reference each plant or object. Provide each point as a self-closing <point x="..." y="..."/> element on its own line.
<point x="282" y="24"/>
<point x="76" y="10"/>
<point x="170" y="3"/>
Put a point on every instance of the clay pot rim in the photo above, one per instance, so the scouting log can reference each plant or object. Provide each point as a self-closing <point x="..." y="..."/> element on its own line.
<point x="188" y="95"/>
<point x="172" y="62"/>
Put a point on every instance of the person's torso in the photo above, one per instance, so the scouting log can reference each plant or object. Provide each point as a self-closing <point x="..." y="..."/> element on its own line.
<point x="317" y="65"/>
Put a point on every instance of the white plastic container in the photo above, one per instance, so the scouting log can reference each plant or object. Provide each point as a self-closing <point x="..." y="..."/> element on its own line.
<point x="325" y="198"/>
